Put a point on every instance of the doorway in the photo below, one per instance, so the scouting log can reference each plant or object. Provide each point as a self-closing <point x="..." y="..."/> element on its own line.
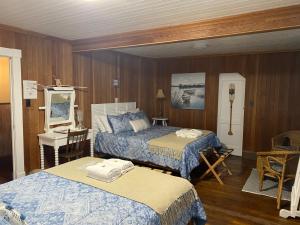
<point x="6" y="164"/>
<point x="13" y="96"/>
<point x="231" y="111"/>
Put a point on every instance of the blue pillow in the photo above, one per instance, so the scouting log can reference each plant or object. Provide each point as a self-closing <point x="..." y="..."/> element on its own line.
<point x="139" y="115"/>
<point x="119" y="123"/>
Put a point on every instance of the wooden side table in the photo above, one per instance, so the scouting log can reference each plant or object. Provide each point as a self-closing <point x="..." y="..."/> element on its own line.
<point x="162" y="119"/>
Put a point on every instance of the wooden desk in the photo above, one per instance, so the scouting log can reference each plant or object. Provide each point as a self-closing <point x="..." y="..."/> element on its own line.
<point x="57" y="140"/>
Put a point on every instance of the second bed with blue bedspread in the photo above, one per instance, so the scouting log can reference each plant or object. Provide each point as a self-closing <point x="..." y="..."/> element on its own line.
<point x="134" y="146"/>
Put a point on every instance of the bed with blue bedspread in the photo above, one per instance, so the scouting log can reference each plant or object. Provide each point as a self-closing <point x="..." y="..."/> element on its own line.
<point x="47" y="199"/>
<point x="134" y="146"/>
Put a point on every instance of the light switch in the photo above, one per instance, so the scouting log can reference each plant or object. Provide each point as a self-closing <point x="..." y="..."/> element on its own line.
<point x="115" y="83"/>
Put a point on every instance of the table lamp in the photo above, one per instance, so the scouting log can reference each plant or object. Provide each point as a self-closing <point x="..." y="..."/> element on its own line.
<point x="160" y="96"/>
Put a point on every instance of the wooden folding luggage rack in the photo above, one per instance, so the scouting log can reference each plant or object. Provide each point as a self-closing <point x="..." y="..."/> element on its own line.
<point x="221" y="155"/>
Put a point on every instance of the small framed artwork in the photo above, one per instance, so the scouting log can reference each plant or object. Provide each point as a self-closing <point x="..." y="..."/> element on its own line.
<point x="188" y="90"/>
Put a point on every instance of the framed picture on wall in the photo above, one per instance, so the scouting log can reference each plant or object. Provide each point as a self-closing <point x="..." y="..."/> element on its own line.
<point x="188" y="90"/>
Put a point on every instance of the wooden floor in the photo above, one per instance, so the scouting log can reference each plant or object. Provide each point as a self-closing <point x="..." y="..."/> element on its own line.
<point x="229" y="205"/>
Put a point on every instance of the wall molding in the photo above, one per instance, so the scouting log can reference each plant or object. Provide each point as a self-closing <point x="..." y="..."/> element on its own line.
<point x="254" y="22"/>
<point x="29" y="32"/>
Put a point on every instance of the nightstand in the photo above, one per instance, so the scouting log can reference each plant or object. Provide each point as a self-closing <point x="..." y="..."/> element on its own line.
<point x="162" y="119"/>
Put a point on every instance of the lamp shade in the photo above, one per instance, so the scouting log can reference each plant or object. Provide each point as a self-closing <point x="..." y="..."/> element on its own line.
<point x="160" y="94"/>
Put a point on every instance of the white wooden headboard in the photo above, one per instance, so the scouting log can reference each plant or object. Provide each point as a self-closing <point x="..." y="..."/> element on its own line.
<point x="109" y="109"/>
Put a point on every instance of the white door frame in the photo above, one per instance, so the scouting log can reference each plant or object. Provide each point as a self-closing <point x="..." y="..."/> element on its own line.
<point x="16" y="109"/>
<point x="238" y="148"/>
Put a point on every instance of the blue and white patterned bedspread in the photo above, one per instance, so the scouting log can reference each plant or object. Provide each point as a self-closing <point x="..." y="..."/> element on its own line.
<point x="134" y="146"/>
<point x="46" y="199"/>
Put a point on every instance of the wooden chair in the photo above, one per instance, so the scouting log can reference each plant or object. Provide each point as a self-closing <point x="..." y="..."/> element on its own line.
<point x="220" y="155"/>
<point x="289" y="140"/>
<point x="274" y="164"/>
<point x="75" y="144"/>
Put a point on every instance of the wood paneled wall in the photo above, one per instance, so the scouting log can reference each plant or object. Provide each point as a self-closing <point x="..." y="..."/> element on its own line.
<point x="97" y="71"/>
<point x="272" y="93"/>
<point x="43" y="58"/>
<point x="272" y="88"/>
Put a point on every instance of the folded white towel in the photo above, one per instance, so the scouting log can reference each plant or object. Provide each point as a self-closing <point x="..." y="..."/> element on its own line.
<point x="189" y="133"/>
<point x="103" y="172"/>
<point x="181" y="132"/>
<point x="123" y="165"/>
<point x="195" y="131"/>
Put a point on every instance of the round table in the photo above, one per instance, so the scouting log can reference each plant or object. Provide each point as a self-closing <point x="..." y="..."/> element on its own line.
<point x="162" y="119"/>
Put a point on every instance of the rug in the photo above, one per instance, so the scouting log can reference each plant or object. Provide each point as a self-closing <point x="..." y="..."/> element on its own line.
<point x="269" y="187"/>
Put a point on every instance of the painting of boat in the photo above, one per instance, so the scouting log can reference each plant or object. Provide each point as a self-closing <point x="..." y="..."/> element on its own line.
<point x="186" y="98"/>
<point x="188" y="90"/>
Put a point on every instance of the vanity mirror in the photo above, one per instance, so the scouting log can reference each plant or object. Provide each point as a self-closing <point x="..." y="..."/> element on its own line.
<point x="60" y="107"/>
<point x="59" y="110"/>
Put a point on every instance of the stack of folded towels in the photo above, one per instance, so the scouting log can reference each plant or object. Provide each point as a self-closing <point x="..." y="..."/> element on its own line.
<point x="188" y="133"/>
<point x="109" y="170"/>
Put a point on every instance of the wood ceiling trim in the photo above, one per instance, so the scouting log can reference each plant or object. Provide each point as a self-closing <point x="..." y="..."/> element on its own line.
<point x="29" y="32"/>
<point x="255" y="22"/>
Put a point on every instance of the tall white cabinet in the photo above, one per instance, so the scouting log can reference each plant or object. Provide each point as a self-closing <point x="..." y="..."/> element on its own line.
<point x="231" y="122"/>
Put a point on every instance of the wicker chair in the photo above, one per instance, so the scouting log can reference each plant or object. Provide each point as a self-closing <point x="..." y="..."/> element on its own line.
<point x="275" y="164"/>
<point x="289" y="140"/>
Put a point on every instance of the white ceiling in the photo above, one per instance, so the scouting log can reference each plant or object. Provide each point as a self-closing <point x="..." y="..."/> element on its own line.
<point x="262" y="42"/>
<point x="77" y="19"/>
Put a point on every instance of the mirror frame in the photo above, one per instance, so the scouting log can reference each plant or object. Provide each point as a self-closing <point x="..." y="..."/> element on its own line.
<point x="65" y="124"/>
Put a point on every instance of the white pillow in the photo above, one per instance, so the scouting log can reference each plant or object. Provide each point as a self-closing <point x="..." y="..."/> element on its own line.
<point x="138" y="125"/>
<point x="104" y="120"/>
<point x="100" y="125"/>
